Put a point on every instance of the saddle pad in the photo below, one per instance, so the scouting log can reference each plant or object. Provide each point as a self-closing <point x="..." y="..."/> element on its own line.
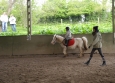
<point x="71" y="42"/>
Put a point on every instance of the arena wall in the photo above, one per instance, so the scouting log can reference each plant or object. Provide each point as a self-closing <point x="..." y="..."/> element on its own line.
<point x="41" y="44"/>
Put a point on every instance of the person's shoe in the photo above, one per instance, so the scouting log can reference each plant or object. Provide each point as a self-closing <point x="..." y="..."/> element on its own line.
<point x="87" y="63"/>
<point x="104" y="63"/>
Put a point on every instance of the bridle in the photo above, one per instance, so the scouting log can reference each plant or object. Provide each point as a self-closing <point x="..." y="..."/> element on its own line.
<point x="55" y="39"/>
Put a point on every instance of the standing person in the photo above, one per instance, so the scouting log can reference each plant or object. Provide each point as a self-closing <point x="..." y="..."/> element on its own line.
<point x="12" y="21"/>
<point x="4" y="19"/>
<point x="97" y="45"/>
<point x="68" y="35"/>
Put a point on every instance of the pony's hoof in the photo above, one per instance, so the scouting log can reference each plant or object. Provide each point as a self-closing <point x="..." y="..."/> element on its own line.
<point x="67" y="55"/>
<point x="78" y="57"/>
<point x="83" y="55"/>
<point x="64" y="56"/>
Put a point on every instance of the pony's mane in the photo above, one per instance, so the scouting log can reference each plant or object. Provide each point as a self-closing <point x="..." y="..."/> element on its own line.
<point x="60" y="38"/>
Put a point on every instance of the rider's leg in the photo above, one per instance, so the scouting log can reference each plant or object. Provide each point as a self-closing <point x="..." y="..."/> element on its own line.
<point x="65" y="41"/>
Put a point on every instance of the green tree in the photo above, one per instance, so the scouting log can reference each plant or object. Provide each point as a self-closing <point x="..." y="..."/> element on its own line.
<point x="3" y="6"/>
<point x="54" y="9"/>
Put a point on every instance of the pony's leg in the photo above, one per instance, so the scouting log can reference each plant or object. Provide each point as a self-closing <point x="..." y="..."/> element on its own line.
<point x="64" y="52"/>
<point x="81" y="52"/>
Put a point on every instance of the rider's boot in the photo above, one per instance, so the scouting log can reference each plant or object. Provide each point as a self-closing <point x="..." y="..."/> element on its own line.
<point x="66" y="43"/>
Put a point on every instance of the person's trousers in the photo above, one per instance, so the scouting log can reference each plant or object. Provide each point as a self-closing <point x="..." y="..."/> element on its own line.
<point x="100" y="52"/>
<point x="4" y="26"/>
<point x="13" y="27"/>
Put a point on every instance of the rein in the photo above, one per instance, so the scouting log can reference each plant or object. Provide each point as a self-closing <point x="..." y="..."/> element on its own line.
<point x="55" y="39"/>
<point x="60" y="41"/>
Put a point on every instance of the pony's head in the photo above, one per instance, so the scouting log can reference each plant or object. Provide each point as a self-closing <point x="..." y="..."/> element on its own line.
<point x="57" y="38"/>
<point x="54" y="39"/>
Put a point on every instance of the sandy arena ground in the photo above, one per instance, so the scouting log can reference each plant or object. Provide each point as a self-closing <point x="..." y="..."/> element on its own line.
<point x="55" y="69"/>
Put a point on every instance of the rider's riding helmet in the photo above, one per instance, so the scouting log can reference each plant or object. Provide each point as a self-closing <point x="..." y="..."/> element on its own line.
<point x="67" y="28"/>
<point x="96" y="28"/>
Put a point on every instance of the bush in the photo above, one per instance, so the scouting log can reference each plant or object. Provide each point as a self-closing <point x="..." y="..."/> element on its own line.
<point x="49" y="29"/>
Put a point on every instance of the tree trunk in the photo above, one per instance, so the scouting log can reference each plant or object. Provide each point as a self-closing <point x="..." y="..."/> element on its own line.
<point x="11" y="3"/>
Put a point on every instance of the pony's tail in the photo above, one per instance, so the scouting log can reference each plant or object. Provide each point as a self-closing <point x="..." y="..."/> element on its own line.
<point x="85" y="43"/>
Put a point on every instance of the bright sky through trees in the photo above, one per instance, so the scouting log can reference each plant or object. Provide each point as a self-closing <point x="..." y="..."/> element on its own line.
<point x="40" y="2"/>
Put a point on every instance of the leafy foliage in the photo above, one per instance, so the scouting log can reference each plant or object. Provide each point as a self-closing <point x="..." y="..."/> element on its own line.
<point x="48" y="29"/>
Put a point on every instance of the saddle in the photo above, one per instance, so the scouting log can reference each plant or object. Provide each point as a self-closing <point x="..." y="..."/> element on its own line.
<point x="70" y="42"/>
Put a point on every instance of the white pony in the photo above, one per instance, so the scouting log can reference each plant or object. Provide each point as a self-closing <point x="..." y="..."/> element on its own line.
<point x="81" y="43"/>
